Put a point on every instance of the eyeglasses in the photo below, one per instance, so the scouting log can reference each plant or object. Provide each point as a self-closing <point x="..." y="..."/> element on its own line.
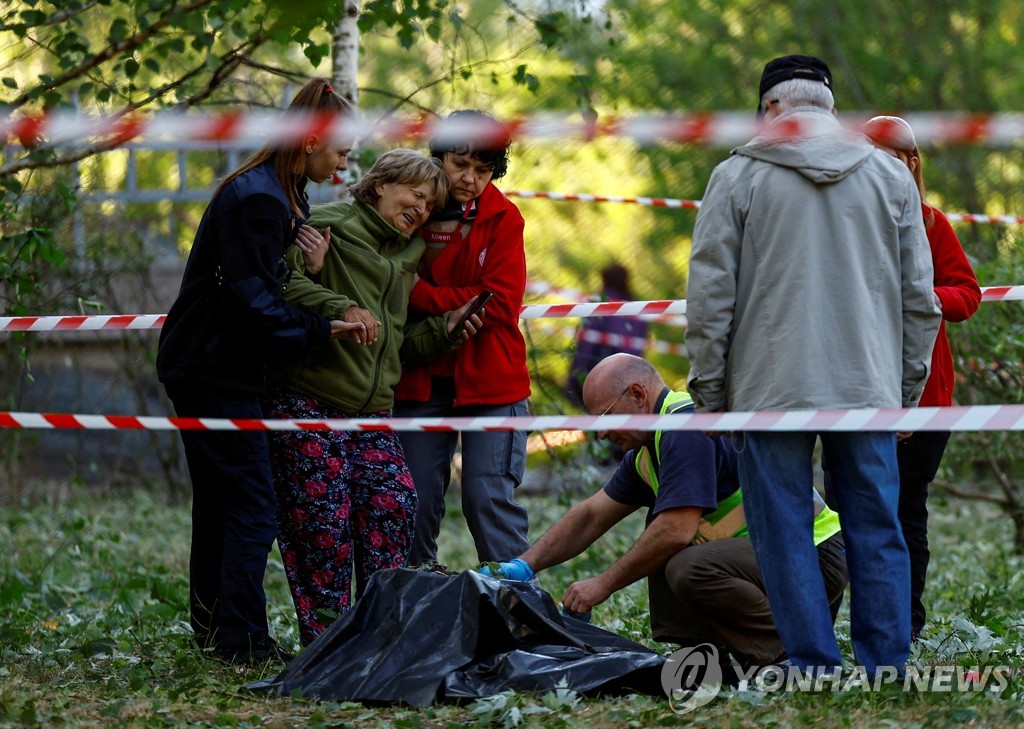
<point x="616" y="400"/>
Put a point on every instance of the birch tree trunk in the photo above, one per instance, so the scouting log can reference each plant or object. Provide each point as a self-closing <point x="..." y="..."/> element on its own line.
<point x="345" y="53"/>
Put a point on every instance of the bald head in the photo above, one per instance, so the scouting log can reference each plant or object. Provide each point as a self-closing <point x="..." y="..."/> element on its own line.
<point x="614" y="374"/>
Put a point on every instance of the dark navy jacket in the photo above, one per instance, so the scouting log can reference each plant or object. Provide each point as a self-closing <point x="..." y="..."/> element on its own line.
<point x="230" y="317"/>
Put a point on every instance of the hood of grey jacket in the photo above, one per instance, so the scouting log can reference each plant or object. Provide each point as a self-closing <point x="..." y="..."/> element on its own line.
<point x="824" y="153"/>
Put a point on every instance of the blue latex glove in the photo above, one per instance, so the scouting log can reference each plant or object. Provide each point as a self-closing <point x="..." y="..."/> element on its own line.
<point x="585" y="617"/>
<point x="516" y="570"/>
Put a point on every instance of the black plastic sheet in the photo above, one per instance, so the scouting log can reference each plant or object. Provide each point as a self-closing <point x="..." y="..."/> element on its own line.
<point x="417" y="637"/>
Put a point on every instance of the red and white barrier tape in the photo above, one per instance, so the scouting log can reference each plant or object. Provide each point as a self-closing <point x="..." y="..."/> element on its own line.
<point x="593" y="336"/>
<point x="533" y="311"/>
<point x="255" y="127"/>
<point x="985" y="219"/>
<point x="668" y="202"/>
<point x="675" y="348"/>
<point x="155" y="321"/>
<point x="80" y="323"/>
<point x="972" y="418"/>
<point x="542" y="288"/>
<point x="657" y="202"/>
<point x="1002" y="293"/>
<point x="602" y="308"/>
<point x="617" y="340"/>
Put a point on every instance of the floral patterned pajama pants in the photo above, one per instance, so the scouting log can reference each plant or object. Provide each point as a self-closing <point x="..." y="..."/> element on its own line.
<point x="344" y="499"/>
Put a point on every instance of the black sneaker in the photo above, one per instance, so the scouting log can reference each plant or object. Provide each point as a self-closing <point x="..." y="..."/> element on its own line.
<point x="260" y="651"/>
<point x="271" y="650"/>
<point x="436" y="567"/>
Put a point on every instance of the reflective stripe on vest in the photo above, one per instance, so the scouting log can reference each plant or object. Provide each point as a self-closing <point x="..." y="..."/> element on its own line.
<point x="728" y="519"/>
<point x="646" y="468"/>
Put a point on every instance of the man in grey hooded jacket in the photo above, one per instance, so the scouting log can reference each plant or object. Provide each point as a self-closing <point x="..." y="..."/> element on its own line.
<point x="810" y="287"/>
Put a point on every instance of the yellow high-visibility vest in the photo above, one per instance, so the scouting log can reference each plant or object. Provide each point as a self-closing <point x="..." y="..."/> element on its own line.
<point x="728" y="519"/>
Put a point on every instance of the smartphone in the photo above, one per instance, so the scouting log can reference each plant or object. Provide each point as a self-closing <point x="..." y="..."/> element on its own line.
<point x="482" y="299"/>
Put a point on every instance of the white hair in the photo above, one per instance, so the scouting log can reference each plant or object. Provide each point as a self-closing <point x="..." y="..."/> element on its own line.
<point x="799" y="92"/>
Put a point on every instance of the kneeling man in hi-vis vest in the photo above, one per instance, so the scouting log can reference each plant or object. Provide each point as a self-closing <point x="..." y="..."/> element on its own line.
<point x="702" y="576"/>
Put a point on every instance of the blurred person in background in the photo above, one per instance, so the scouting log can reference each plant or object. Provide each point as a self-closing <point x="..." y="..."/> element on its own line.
<point x="592" y="337"/>
<point x="602" y="336"/>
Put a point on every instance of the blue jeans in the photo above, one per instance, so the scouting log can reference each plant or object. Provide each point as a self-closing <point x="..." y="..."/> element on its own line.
<point x="493" y="465"/>
<point x="777" y="478"/>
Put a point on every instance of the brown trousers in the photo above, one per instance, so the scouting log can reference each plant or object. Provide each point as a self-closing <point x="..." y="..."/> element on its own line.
<point x="712" y="593"/>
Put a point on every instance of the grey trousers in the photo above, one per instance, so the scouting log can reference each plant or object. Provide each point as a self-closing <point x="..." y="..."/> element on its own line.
<point x="493" y="465"/>
<point x="712" y="593"/>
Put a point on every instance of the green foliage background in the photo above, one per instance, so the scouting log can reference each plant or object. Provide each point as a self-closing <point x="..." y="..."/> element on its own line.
<point x="595" y="60"/>
<point x="92" y="596"/>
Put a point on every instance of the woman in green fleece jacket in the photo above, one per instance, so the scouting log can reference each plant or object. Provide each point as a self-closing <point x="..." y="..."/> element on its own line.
<point x="346" y="498"/>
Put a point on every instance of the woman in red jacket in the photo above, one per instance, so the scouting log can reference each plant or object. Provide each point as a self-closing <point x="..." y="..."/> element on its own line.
<point x="474" y="244"/>
<point x="958" y="295"/>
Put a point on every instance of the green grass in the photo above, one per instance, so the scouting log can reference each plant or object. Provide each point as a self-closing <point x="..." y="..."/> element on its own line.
<point x="93" y="632"/>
